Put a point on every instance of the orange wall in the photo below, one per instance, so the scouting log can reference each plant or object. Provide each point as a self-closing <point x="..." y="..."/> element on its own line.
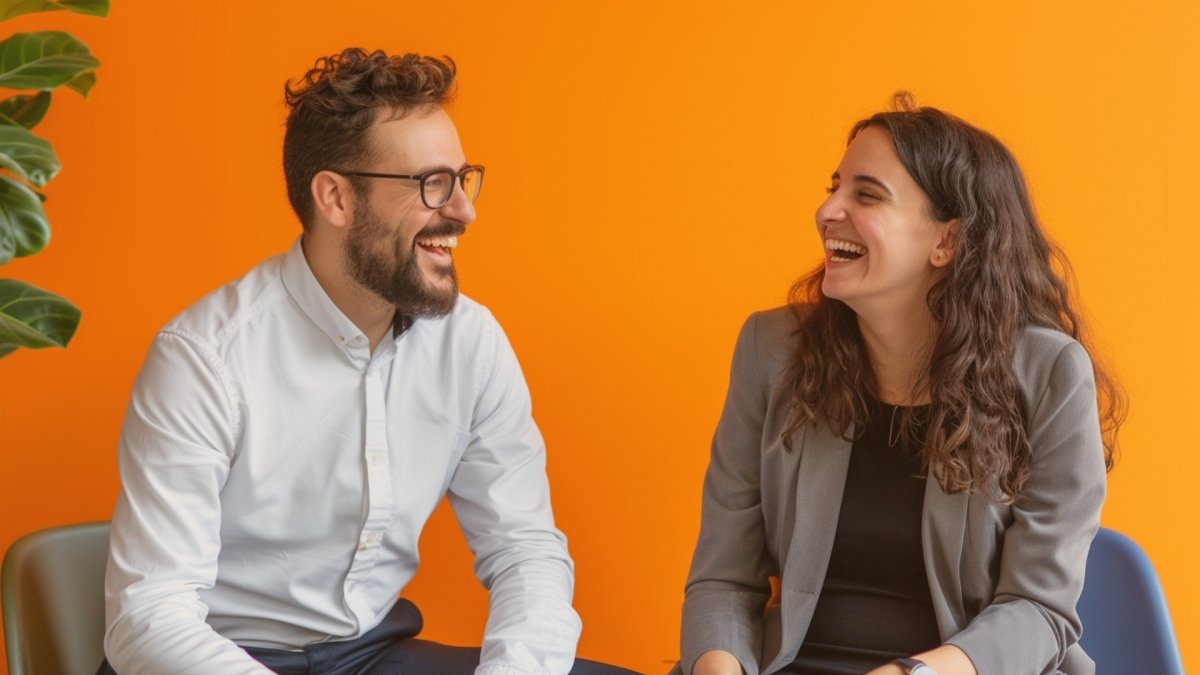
<point x="653" y="168"/>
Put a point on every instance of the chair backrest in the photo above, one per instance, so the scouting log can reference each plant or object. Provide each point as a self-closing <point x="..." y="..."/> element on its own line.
<point x="52" y="586"/>
<point x="1126" y="627"/>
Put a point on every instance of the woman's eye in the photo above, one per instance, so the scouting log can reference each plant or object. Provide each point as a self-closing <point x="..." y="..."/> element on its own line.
<point x="867" y="196"/>
<point x="831" y="189"/>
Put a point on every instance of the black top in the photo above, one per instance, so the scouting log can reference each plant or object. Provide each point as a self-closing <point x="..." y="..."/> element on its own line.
<point x="875" y="605"/>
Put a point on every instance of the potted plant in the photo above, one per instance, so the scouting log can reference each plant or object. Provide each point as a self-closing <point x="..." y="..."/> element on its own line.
<point x="35" y="64"/>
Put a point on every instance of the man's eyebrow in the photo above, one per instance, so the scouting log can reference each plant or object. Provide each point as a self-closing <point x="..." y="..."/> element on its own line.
<point x="443" y="167"/>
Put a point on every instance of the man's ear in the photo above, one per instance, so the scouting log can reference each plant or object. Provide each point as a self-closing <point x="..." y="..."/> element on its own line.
<point x="333" y="198"/>
<point x="943" y="254"/>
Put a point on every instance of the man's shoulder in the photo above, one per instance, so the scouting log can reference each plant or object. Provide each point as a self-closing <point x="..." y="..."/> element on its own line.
<point x="469" y="309"/>
<point x="224" y="311"/>
<point x="468" y="320"/>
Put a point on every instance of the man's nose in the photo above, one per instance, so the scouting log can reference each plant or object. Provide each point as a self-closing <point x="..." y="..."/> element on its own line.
<point x="459" y="207"/>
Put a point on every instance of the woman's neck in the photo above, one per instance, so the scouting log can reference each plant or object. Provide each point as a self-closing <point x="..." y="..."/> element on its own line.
<point x="900" y="346"/>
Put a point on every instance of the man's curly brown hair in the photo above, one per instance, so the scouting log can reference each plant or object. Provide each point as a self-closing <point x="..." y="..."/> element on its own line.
<point x="337" y="100"/>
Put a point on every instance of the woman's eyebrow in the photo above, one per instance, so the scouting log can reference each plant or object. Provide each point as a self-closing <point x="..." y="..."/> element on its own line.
<point x="864" y="178"/>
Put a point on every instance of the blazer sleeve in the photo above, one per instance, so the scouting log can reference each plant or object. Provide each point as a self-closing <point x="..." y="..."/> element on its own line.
<point x="729" y="584"/>
<point x="1031" y="621"/>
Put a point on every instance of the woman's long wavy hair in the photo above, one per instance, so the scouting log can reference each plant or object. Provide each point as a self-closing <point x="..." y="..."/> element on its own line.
<point x="1005" y="275"/>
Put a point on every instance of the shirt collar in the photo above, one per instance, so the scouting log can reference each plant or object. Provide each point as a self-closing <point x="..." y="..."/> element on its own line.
<point x="304" y="288"/>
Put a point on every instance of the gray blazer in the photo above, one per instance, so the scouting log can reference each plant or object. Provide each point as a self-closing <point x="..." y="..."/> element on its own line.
<point x="1004" y="579"/>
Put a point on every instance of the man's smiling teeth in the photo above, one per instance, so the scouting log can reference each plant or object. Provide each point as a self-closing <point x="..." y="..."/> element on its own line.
<point x="844" y="251"/>
<point x="439" y="242"/>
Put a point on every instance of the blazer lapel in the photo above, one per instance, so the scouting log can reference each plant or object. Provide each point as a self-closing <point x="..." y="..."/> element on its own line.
<point x="820" y="481"/>
<point x="943" y="531"/>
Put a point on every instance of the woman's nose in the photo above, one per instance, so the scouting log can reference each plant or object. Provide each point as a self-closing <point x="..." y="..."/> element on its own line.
<point x="831" y="210"/>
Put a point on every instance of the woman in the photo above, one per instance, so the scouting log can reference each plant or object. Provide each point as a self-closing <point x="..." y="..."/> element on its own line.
<point x="911" y="461"/>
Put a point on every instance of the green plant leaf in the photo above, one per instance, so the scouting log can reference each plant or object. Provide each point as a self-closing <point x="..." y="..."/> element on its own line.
<point x="24" y="229"/>
<point x="27" y="155"/>
<point x="34" y="318"/>
<point x="90" y="7"/>
<point x="83" y="84"/>
<point x="24" y="109"/>
<point x="11" y="8"/>
<point x="44" y="60"/>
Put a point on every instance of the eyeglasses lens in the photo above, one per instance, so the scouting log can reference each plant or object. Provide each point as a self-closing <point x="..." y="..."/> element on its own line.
<point x="472" y="183"/>
<point x="438" y="187"/>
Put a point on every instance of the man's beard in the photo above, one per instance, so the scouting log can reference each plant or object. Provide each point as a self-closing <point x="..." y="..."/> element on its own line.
<point x="398" y="279"/>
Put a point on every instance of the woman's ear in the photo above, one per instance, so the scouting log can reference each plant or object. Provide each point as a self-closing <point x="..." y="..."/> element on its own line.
<point x="943" y="254"/>
<point x="333" y="198"/>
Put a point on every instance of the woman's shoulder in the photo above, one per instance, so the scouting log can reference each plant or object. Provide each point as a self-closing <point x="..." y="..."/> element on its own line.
<point x="1042" y="347"/>
<point x="770" y="332"/>
<point x="777" y="323"/>
<point x="1043" y="355"/>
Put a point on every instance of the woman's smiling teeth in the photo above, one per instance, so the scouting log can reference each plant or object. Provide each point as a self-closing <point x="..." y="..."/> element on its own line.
<point x="844" y="251"/>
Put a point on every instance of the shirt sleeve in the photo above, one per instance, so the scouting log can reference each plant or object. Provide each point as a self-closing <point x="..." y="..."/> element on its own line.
<point x="729" y="583"/>
<point x="173" y="456"/>
<point x="501" y="497"/>
<point x="1031" y="621"/>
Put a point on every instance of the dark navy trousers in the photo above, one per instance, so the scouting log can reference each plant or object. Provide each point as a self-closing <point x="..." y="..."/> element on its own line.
<point x="390" y="648"/>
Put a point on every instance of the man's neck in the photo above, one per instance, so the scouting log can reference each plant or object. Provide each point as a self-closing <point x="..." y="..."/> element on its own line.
<point x="370" y="313"/>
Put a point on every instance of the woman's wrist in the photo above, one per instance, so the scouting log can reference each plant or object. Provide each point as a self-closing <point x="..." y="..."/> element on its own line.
<point x="717" y="662"/>
<point x="912" y="666"/>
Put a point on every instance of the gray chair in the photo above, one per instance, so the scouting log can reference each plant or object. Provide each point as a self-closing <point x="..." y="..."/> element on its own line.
<point x="52" y="585"/>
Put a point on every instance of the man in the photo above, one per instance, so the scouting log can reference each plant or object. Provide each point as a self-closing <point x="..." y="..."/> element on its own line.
<point x="289" y="435"/>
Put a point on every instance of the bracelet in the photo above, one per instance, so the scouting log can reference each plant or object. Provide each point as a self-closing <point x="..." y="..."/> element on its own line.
<point x="915" y="666"/>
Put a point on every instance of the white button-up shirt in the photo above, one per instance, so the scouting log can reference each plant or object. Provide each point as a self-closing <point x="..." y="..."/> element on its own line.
<point x="276" y="475"/>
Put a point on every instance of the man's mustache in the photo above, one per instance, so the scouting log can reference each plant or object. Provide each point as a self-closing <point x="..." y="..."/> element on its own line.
<point x="448" y="229"/>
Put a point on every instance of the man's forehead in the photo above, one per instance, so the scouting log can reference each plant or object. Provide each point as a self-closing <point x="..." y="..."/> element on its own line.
<point x="425" y="137"/>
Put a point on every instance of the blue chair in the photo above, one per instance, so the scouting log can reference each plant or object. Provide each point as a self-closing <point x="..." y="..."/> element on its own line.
<point x="1126" y="627"/>
<point x="52" y="584"/>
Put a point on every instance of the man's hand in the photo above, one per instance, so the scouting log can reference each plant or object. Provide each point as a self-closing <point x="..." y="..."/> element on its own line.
<point x="717" y="663"/>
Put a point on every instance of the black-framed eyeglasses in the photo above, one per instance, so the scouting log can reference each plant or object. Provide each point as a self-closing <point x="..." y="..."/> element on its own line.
<point x="437" y="185"/>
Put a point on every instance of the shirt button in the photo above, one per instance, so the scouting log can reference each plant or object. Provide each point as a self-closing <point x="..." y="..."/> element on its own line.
<point x="340" y="340"/>
<point x="358" y="340"/>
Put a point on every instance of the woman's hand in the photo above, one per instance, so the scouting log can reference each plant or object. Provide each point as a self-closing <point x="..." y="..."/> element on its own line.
<point x="717" y="662"/>
<point x="945" y="660"/>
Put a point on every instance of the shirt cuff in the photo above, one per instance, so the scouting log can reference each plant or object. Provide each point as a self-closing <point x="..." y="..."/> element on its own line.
<point x="502" y="669"/>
